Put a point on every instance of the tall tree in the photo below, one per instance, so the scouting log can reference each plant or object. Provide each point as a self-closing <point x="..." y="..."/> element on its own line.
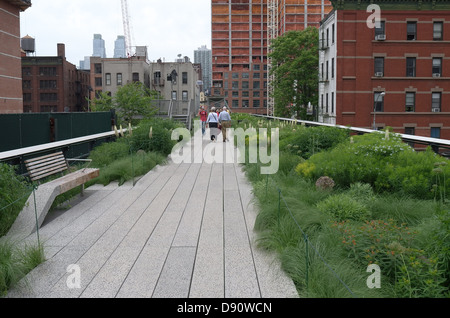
<point x="295" y="59"/>
<point x="131" y="102"/>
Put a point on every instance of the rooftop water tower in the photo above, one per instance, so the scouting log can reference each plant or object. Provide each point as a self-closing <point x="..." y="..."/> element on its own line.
<point x="28" y="44"/>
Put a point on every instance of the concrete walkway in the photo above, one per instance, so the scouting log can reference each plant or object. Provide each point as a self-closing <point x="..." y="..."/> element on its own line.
<point x="183" y="230"/>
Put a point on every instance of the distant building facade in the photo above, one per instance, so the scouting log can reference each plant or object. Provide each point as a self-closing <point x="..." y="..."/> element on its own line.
<point x="52" y="84"/>
<point x="10" y="55"/>
<point x="396" y="74"/>
<point x="203" y="56"/>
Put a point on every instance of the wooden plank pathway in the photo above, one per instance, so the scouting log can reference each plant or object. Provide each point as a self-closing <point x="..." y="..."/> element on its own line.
<point x="184" y="230"/>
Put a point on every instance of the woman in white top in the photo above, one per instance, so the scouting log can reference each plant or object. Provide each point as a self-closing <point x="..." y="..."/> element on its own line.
<point x="212" y="122"/>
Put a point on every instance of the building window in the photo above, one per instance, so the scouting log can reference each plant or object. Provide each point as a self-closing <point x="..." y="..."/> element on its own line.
<point x="245" y="75"/>
<point x="438" y="31"/>
<point x="26" y="71"/>
<point x="235" y="75"/>
<point x="410" y="130"/>
<point x="184" y="96"/>
<point x="184" y="76"/>
<point x="411" y="31"/>
<point x="410" y="101"/>
<point x="27" y="97"/>
<point x="332" y="102"/>
<point x="26" y="84"/>
<point x="256" y="85"/>
<point x="256" y="75"/>
<point x="108" y="79"/>
<point x="256" y="94"/>
<point x="256" y="103"/>
<point x="47" y="71"/>
<point x="119" y="79"/>
<point x="235" y="94"/>
<point x="436" y="102"/>
<point x="235" y="85"/>
<point x="98" y="81"/>
<point x="326" y="103"/>
<point x="135" y="77"/>
<point x="380" y="32"/>
<point x="48" y="109"/>
<point x="245" y="94"/>
<point x="50" y="84"/>
<point x="174" y="95"/>
<point x="437" y="66"/>
<point x="48" y="97"/>
<point x="332" y="33"/>
<point x="379" y="66"/>
<point x="235" y="103"/>
<point x="98" y="68"/>
<point x="245" y="103"/>
<point x="326" y="71"/>
<point x="332" y="67"/>
<point x="256" y="67"/>
<point x="378" y="100"/>
<point x="435" y="132"/>
<point x="410" y="66"/>
<point x="245" y="84"/>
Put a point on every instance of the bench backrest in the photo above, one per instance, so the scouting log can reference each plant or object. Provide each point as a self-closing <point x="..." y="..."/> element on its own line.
<point x="45" y="166"/>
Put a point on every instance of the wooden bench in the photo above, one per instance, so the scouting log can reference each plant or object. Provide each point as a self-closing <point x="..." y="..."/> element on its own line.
<point x="39" y="202"/>
<point x="45" y="166"/>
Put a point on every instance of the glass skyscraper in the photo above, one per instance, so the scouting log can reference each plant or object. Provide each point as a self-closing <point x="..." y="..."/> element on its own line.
<point x="120" y="47"/>
<point x="99" y="46"/>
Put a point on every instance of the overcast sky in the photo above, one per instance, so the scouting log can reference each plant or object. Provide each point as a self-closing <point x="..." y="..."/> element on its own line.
<point x="167" y="27"/>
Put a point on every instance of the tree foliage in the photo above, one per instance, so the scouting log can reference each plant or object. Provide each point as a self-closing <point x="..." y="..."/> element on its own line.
<point x="131" y="102"/>
<point x="295" y="59"/>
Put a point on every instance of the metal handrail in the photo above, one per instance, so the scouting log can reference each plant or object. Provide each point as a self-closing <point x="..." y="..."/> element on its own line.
<point x="434" y="142"/>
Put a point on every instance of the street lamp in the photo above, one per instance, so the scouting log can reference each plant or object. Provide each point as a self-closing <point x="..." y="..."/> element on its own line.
<point x="375" y="109"/>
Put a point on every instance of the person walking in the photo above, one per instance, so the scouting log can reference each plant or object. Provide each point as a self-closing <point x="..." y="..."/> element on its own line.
<point x="203" y="116"/>
<point x="213" y="121"/>
<point x="225" y="122"/>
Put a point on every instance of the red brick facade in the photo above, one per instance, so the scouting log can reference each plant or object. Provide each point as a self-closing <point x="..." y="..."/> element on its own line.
<point x="10" y="56"/>
<point x="401" y="64"/>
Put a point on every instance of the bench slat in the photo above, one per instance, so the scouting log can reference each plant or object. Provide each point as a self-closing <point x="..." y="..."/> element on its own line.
<point x="43" y="157"/>
<point x="46" y="164"/>
<point x="56" y="167"/>
<point x="34" y="178"/>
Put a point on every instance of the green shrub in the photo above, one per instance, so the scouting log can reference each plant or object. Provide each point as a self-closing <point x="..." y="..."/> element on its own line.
<point x="306" y="141"/>
<point x="158" y="140"/>
<point x="107" y="153"/>
<point x="16" y="263"/>
<point x="14" y="192"/>
<point x="385" y="164"/>
<point x="344" y="207"/>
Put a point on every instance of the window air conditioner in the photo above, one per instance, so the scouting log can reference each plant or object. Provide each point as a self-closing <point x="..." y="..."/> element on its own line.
<point x="436" y="74"/>
<point x="378" y="74"/>
<point x="435" y="110"/>
<point x="380" y="37"/>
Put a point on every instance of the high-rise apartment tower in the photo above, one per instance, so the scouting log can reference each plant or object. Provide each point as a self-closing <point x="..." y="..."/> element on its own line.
<point x="240" y="44"/>
<point x="203" y="56"/>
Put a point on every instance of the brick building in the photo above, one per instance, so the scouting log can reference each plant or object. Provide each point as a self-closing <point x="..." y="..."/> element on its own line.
<point x="52" y="84"/>
<point x="239" y="46"/>
<point x="10" y="55"/>
<point x="396" y="75"/>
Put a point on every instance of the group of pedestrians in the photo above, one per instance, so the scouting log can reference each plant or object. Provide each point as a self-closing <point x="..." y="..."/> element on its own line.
<point x="216" y="122"/>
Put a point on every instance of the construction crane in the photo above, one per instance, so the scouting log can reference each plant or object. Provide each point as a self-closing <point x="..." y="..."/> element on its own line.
<point x="272" y="33"/>
<point x="126" y="28"/>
